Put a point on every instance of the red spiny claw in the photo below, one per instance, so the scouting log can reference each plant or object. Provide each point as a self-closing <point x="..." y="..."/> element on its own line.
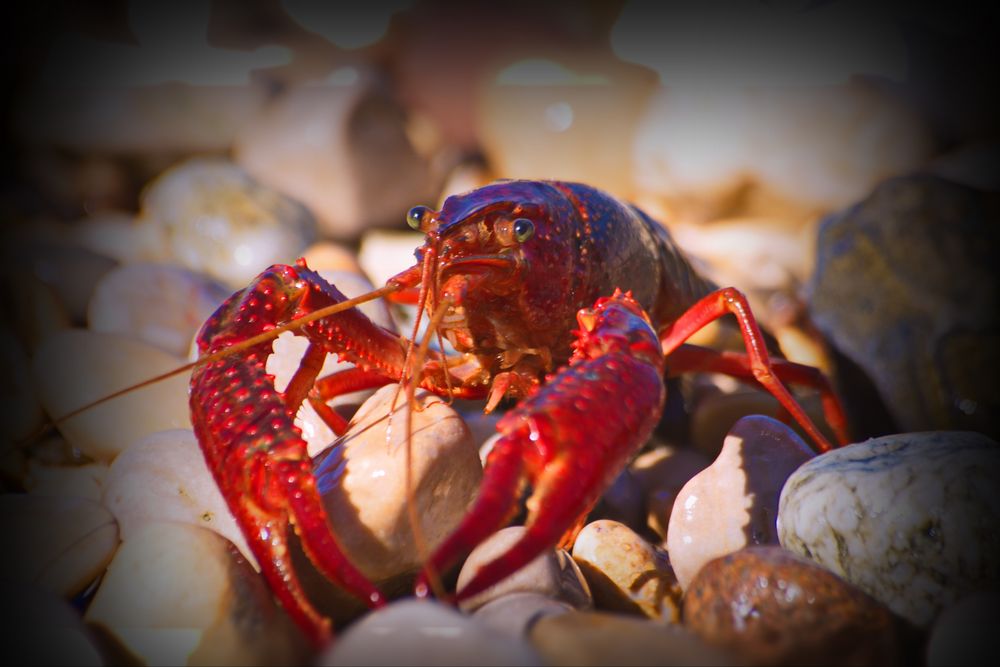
<point x="253" y="448"/>
<point x="569" y="440"/>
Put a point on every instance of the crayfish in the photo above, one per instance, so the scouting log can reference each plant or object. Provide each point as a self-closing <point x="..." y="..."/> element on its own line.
<point x="555" y="293"/>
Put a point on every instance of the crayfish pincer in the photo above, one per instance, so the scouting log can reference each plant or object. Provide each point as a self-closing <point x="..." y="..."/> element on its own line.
<point x="554" y="293"/>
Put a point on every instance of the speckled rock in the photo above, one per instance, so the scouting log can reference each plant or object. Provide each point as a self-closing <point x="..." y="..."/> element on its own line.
<point x="593" y="639"/>
<point x="661" y="473"/>
<point x="288" y="350"/>
<point x="160" y="304"/>
<point x="424" y="632"/>
<point x="625" y="572"/>
<point x="179" y="594"/>
<point x="734" y="502"/>
<point x="59" y="543"/>
<point x="337" y="147"/>
<point x="913" y="519"/>
<point x="920" y="254"/>
<point x="74" y="367"/>
<point x="362" y="480"/>
<point x="216" y="219"/>
<point x="43" y="629"/>
<point x="773" y="607"/>
<point x="553" y="573"/>
<point x="163" y="477"/>
<point x="965" y="632"/>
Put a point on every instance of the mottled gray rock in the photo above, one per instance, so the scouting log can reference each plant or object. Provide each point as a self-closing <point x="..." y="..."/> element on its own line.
<point x="913" y="519"/>
<point x="905" y="289"/>
<point x="425" y="632"/>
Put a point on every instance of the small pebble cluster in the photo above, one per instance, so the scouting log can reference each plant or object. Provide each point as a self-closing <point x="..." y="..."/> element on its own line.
<point x="727" y="540"/>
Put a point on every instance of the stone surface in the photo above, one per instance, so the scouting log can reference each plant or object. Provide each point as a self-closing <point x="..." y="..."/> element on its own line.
<point x="159" y="304"/>
<point x="514" y="614"/>
<point x="341" y="149"/>
<point x="59" y="543"/>
<point x="625" y="572"/>
<point x="163" y="477"/>
<point x="661" y="473"/>
<point x="965" y="632"/>
<point x="43" y="629"/>
<point x="772" y="607"/>
<point x="83" y="481"/>
<point x="622" y="502"/>
<point x="74" y="367"/>
<point x="905" y="289"/>
<point x="179" y="594"/>
<point x="913" y="519"/>
<point x="362" y="480"/>
<point x="598" y="639"/>
<point x="215" y="218"/>
<point x="552" y="573"/>
<point x="21" y="413"/>
<point x="425" y="632"/>
<point x="734" y="502"/>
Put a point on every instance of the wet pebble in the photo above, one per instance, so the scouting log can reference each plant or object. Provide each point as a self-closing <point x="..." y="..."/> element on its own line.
<point x="734" y="502"/>
<point x="163" y="477"/>
<point x="425" y="632"/>
<point x="362" y="480"/>
<point x="216" y="219"/>
<point x="60" y="543"/>
<point x="552" y="573"/>
<point x="336" y="147"/>
<point x="773" y="607"/>
<point x="74" y="367"/>
<point x="159" y="304"/>
<point x="590" y="638"/>
<point x="179" y="594"/>
<point x="626" y="573"/>
<point x="913" y="519"/>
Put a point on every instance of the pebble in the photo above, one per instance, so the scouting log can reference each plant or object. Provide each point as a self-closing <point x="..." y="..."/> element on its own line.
<point x="424" y="632"/>
<point x="622" y="502"/>
<point x="159" y="304"/>
<point x="116" y="234"/>
<point x="362" y="480"/>
<point x="918" y="255"/>
<point x="288" y="350"/>
<point x="553" y="573"/>
<point x="594" y="638"/>
<point x="514" y="614"/>
<point x="164" y="477"/>
<point x="342" y="150"/>
<point x="965" y="632"/>
<point x="773" y="607"/>
<point x="43" y="629"/>
<point x="218" y="220"/>
<point x="383" y="254"/>
<point x="22" y="412"/>
<point x="74" y="367"/>
<point x="661" y="473"/>
<point x="81" y="481"/>
<point x="181" y="595"/>
<point x="626" y="573"/>
<point x="329" y="256"/>
<point x="60" y="543"/>
<point x="912" y="519"/>
<point x="734" y="502"/>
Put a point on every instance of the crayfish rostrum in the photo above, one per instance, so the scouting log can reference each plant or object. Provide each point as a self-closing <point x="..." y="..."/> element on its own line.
<point x="554" y="293"/>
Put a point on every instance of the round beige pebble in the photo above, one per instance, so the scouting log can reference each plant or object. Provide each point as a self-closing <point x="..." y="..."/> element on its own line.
<point x="74" y="367"/>
<point x="552" y="573"/>
<point x="734" y="502"/>
<point x="60" y="543"/>
<point x="159" y="304"/>
<point x="625" y="572"/>
<point x="163" y="477"/>
<point x="181" y="595"/>
<point x="362" y="478"/>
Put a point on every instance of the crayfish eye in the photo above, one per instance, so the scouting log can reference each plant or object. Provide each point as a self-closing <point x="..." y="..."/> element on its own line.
<point x="415" y="216"/>
<point x="523" y="229"/>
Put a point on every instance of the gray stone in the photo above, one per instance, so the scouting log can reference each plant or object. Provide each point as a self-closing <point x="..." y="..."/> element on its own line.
<point x="912" y="519"/>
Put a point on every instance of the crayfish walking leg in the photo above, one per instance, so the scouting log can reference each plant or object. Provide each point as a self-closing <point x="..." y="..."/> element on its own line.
<point x="569" y="440"/>
<point x="247" y="433"/>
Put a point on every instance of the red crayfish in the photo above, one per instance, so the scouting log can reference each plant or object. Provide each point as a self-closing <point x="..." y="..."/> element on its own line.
<point x="551" y="292"/>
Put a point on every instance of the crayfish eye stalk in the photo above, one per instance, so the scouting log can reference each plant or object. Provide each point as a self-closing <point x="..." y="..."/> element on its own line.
<point x="421" y="219"/>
